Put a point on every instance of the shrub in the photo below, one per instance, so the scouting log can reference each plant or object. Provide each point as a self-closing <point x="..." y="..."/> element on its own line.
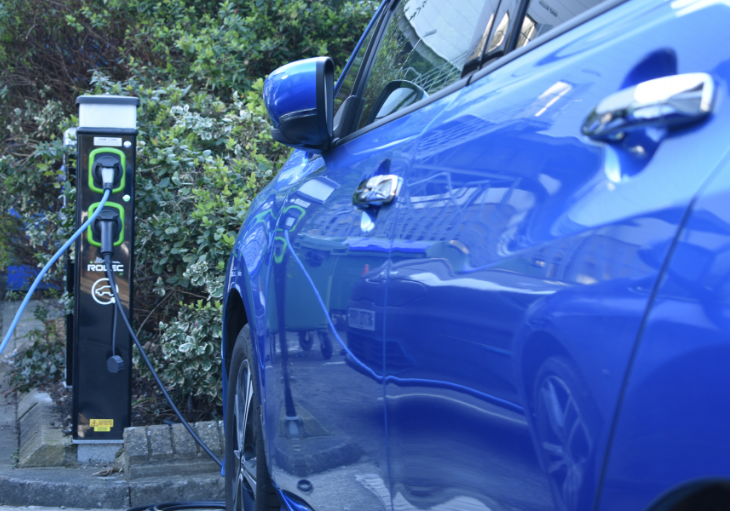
<point x="43" y="362"/>
<point x="204" y="148"/>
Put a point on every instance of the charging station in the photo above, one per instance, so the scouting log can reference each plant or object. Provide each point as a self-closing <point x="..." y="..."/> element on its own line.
<point x="102" y="345"/>
<point x="104" y="237"/>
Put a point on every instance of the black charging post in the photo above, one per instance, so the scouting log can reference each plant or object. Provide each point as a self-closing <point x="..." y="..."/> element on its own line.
<point x="106" y="146"/>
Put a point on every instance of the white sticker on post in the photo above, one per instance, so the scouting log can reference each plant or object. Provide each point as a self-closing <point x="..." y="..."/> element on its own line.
<point x="108" y="141"/>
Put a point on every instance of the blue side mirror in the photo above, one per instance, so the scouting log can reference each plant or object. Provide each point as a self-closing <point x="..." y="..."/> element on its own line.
<point x="299" y="100"/>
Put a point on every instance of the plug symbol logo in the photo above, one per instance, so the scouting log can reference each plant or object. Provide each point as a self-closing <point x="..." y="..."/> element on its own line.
<point x="101" y="292"/>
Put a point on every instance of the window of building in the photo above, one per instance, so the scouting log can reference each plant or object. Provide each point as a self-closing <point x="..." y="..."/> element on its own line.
<point x="544" y="15"/>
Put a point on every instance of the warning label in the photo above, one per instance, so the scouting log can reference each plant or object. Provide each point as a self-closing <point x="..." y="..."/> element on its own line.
<point x="101" y="424"/>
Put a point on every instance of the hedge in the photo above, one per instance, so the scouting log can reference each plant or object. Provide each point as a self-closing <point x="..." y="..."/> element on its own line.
<point x="204" y="148"/>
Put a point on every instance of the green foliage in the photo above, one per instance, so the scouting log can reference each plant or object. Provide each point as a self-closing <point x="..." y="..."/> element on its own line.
<point x="244" y="38"/>
<point x="204" y="148"/>
<point x="10" y="227"/>
<point x="53" y="46"/>
<point x="44" y="361"/>
<point x="191" y="346"/>
<point x="31" y="186"/>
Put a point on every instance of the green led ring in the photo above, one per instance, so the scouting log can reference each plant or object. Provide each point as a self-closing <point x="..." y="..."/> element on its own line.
<point x="122" y="157"/>
<point x="90" y="234"/>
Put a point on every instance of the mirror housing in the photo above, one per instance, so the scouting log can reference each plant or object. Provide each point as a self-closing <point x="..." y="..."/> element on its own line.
<point x="299" y="98"/>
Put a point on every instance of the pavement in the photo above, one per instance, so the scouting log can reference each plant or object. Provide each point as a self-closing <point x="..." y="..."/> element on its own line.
<point x="75" y="486"/>
<point x="8" y="402"/>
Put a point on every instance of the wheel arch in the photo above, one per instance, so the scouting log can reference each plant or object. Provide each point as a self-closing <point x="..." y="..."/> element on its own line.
<point x="536" y="349"/>
<point x="235" y="318"/>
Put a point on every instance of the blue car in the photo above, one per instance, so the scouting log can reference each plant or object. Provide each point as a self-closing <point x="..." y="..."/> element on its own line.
<point x="494" y="274"/>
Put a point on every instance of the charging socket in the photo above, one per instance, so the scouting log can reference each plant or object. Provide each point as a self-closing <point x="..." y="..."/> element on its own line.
<point x="111" y="212"/>
<point x="106" y="157"/>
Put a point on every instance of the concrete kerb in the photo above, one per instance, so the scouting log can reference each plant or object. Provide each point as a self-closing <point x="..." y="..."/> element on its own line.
<point x="170" y="450"/>
<point x="56" y="487"/>
<point x="42" y="443"/>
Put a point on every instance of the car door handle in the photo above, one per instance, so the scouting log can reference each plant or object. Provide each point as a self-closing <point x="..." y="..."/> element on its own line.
<point x="668" y="101"/>
<point x="376" y="191"/>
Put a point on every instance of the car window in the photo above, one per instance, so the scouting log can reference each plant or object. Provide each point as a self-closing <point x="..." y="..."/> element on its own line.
<point x="544" y="15"/>
<point x="349" y="81"/>
<point x="424" y="49"/>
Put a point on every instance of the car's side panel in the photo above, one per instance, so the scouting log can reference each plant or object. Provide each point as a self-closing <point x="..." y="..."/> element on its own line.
<point x="248" y="270"/>
<point x="674" y="420"/>
<point x="540" y="251"/>
<point x="324" y="409"/>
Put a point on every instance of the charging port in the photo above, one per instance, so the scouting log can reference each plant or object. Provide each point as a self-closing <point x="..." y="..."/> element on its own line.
<point x="103" y="162"/>
<point x="111" y="218"/>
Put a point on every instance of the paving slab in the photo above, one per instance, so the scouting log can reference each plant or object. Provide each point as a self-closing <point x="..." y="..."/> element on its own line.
<point x="169" y="450"/>
<point x="209" y="433"/>
<point x="159" y="441"/>
<point x="183" y="444"/>
<point x="95" y="454"/>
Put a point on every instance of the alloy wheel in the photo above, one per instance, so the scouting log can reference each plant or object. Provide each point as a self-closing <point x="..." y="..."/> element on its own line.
<point x="244" y="449"/>
<point x="565" y="439"/>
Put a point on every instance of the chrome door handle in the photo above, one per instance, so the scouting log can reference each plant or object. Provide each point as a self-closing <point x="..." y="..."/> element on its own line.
<point x="376" y="191"/>
<point x="668" y="101"/>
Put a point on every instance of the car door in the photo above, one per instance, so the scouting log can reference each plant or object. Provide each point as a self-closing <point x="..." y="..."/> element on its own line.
<point x="541" y="245"/>
<point x="324" y="352"/>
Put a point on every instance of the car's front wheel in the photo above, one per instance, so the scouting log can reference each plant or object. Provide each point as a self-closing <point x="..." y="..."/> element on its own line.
<point x="248" y="484"/>
<point x="566" y="427"/>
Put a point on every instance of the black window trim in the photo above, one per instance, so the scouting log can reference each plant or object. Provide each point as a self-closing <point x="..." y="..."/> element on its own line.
<point x="361" y="77"/>
<point x="478" y="74"/>
<point x="498" y="54"/>
<point x="371" y="28"/>
<point x="371" y="52"/>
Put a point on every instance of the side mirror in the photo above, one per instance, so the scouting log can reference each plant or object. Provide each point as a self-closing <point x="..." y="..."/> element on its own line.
<point x="397" y="95"/>
<point x="299" y="100"/>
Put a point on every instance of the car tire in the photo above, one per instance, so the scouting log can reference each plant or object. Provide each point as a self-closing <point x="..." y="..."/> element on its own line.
<point x="566" y="430"/>
<point x="248" y="483"/>
<point x="325" y="345"/>
<point x="306" y="340"/>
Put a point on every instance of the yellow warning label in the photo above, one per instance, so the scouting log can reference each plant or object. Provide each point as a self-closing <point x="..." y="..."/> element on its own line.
<point x="102" y="425"/>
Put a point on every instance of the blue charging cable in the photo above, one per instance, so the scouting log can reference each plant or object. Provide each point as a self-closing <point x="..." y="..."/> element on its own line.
<point x="48" y="265"/>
